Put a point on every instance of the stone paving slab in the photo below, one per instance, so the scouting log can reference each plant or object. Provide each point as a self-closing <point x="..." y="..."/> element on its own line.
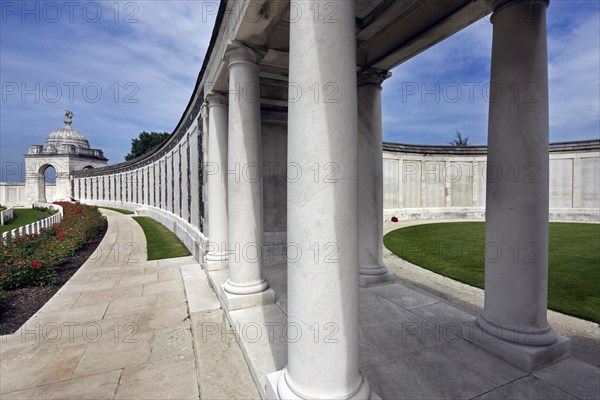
<point x="196" y="287"/>
<point x="98" y="387"/>
<point x="222" y="369"/>
<point x="161" y="380"/>
<point x="573" y="376"/>
<point x="528" y="387"/>
<point x="260" y="331"/>
<point x="24" y="369"/>
<point x="450" y="370"/>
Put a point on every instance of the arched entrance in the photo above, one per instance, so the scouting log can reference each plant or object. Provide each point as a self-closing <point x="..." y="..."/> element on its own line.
<point x="48" y="182"/>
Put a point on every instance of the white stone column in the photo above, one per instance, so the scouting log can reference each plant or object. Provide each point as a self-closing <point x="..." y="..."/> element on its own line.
<point x="169" y="181"/>
<point x="194" y="182"/>
<point x="177" y="178"/>
<point x="161" y="184"/>
<point x="516" y="266"/>
<point x="322" y="210"/>
<point x="88" y="188"/>
<point x="34" y="186"/>
<point x="63" y="185"/>
<point x="217" y="178"/>
<point x="184" y="177"/>
<point x="246" y="285"/>
<point x="370" y="180"/>
<point x="120" y="188"/>
<point x="128" y="193"/>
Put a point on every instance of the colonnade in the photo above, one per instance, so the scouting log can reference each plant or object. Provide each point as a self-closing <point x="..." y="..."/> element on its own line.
<point x="340" y="214"/>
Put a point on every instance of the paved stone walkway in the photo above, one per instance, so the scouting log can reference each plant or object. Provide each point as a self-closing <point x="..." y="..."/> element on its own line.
<point x="122" y="328"/>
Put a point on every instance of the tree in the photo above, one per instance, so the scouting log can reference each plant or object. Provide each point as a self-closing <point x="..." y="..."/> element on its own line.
<point x="145" y="143"/>
<point x="459" y="140"/>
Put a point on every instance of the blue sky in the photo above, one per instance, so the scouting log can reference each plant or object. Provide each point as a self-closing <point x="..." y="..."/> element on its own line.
<point x="131" y="66"/>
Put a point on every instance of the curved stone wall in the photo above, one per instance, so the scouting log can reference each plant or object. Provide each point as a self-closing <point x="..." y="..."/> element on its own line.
<point x="166" y="185"/>
<point x="445" y="182"/>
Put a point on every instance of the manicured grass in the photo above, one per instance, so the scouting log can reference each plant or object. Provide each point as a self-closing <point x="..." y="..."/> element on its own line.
<point x="456" y="250"/>
<point x="23" y="216"/>
<point x="120" y="210"/>
<point x="161" y="242"/>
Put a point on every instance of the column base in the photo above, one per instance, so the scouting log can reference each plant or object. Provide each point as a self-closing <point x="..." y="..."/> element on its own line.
<point x="240" y="301"/>
<point x="372" y="280"/>
<point x="214" y="265"/>
<point x="217" y="257"/>
<point x="527" y="357"/>
<point x="280" y="391"/>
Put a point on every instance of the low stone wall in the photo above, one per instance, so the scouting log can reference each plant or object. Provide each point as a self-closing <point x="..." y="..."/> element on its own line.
<point x="36" y="227"/>
<point x="478" y="213"/>
<point x="6" y="215"/>
<point x="13" y="193"/>
<point x="189" y="235"/>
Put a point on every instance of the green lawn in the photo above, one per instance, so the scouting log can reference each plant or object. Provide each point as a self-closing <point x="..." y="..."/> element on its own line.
<point x="23" y="216"/>
<point x="456" y="250"/>
<point x="119" y="210"/>
<point x="161" y="242"/>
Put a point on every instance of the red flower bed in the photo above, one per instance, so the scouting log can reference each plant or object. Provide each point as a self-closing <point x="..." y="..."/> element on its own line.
<point x="33" y="259"/>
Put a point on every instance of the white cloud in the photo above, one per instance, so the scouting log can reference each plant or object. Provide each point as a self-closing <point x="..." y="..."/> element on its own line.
<point x="575" y="81"/>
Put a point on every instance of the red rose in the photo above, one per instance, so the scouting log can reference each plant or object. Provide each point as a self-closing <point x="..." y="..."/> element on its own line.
<point x="36" y="264"/>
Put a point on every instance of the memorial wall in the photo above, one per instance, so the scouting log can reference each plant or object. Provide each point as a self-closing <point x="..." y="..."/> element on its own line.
<point x="423" y="182"/>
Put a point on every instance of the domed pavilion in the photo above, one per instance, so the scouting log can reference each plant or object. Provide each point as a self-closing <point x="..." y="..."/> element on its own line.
<point x="66" y="150"/>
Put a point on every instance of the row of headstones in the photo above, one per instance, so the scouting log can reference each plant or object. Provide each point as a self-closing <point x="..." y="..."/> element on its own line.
<point x="35" y="227"/>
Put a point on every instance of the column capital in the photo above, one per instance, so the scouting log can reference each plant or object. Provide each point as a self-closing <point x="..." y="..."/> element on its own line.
<point x="372" y="76"/>
<point x="238" y="52"/>
<point x="203" y="111"/>
<point x="213" y="98"/>
<point x="497" y="6"/>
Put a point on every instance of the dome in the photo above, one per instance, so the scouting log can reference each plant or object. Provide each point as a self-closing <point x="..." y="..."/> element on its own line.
<point x="67" y="136"/>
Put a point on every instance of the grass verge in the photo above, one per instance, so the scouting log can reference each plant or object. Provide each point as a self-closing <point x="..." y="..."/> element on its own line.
<point x="160" y="241"/>
<point x="119" y="210"/>
<point x="456" y="250"/>
<point x="23" y="216"/>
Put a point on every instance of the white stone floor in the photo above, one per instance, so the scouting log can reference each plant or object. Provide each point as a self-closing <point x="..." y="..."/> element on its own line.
<point x="122" y="328"/>
<point x="127" y="328"/>
<point x="408" y="345"/>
